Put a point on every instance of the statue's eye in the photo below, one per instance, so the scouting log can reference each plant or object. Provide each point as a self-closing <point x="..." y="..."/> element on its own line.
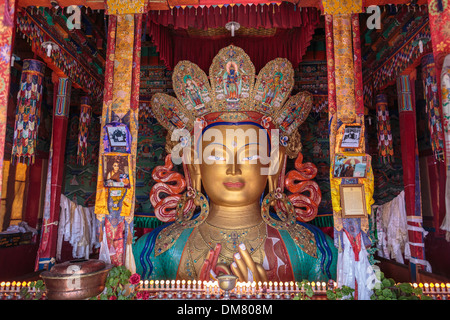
<point x="216" y="158"/>
<point x="254" y="157"/>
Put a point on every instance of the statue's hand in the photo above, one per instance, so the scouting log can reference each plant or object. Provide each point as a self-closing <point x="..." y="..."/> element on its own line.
<point x="245" y="268"/>
<point x="211" y="269"/>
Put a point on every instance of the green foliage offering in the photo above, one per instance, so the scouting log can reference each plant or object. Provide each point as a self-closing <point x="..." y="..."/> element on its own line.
<point x="306" y="293"/>
<point x="343" y="293"/>
<point x="387" y="289"/>
<point x="40" y="289"/>
<point x="117" y="285"/>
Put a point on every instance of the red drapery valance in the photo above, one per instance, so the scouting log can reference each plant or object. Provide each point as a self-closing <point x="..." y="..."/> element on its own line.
<point x="294" y="30"/>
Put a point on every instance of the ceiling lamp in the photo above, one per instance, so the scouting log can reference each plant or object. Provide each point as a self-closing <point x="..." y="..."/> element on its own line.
<point x="232" y="26"/>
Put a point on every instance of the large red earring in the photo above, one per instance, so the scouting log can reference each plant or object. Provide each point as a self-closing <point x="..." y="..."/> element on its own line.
<point x="298" y="182"/>
<point x="173" y="185"/>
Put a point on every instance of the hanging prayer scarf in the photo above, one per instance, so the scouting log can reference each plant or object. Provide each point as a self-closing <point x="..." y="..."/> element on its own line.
<point x="385" y="146"/>
<point x="28" y="109"/>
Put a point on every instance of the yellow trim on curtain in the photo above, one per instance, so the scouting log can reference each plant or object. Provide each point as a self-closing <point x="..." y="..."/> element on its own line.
<point x="19" y="193"/>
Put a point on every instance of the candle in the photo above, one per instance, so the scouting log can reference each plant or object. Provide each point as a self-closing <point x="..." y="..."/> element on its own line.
<point x="178" y="284"/>
<point x="183" y="284"/>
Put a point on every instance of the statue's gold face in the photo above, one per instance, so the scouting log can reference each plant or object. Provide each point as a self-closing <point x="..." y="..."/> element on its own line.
<point x="234" y="164"/>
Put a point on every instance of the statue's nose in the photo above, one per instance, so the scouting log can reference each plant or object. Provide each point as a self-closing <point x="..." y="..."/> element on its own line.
<point x="234" y="168"/>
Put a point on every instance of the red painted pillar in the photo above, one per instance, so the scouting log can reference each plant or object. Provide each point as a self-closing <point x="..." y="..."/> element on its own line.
<point x="47" y="247"/>
<point x="410" y="160"/>
<point x="34" y="195"/>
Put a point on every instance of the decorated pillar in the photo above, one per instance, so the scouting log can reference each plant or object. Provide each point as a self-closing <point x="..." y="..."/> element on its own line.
<point x="114" y="205"/>
<point x="47" y="247"/>
<point x="411" y="175"/>
<point x="351" y="193"/>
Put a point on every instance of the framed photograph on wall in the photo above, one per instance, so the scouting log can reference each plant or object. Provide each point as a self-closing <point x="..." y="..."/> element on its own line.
<point x="353" y="200"/>
<point x="117" y="136"/>
<point x="116" y="170"/>
<point x="351" y="166"/>
<point x="351" y="137"/>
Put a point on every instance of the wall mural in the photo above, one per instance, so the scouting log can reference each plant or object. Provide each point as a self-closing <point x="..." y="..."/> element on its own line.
<point x="81" y="180"/>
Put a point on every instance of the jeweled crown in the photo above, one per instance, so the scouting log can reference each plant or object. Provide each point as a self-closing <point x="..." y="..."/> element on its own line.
<point x="232" y="94"/>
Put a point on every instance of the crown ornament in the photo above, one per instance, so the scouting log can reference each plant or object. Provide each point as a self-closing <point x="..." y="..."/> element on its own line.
<point x="233" y="93"/>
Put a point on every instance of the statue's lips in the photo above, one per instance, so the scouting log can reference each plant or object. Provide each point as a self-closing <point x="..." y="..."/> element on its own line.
<point x="236" y="185"/>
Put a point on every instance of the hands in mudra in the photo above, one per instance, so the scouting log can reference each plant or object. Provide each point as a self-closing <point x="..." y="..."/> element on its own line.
<point x="243" y="266"/>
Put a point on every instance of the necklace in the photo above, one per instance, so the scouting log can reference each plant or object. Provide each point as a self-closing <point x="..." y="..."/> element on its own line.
<point x="206" y="236"/>
<point x="210" y="235"/>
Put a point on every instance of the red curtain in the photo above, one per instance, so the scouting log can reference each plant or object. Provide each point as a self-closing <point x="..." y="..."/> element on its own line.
<point x="295" y="28"/>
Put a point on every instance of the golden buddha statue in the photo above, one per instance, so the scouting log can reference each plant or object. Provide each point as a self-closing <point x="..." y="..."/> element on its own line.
<point x="234" y="154"/>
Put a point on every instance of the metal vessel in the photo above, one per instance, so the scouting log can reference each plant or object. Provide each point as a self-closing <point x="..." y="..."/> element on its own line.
<point x="76" y="279"/>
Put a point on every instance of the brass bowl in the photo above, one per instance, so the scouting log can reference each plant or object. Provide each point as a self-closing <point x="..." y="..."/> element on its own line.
<point x="76" y="279"/>
<point x="227" y="282"/>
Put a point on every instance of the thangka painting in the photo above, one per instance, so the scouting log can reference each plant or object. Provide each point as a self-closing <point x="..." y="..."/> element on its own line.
<point x="388" y="176"/>
<point x="150" y="154"/>
<point x="81" y="180"/>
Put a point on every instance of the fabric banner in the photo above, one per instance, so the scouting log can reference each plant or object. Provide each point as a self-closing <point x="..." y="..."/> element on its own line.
<point x="439" y="13"/>
<point x="180" y="43"/>
<point x="101" y="207"/>
<point x="445" y="91"/>
<point x="115" y="206"/>
<point x="385" y="143"/>
<point x="83" y="130"/>
<point x="344" y="68"/>
<point x="432" y="106"/>
<point x="29" y="101"/>
<point x="7" y="14"/>
<point x="336" y="7"/>
<point x="357" y="65"/>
